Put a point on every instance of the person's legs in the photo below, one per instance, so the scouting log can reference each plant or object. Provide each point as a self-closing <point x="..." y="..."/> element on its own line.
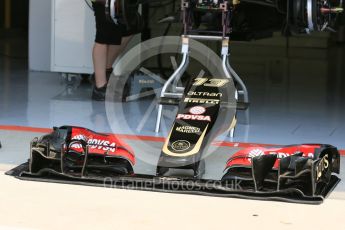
<point x="115" y="50"/>
<point x="103" y="58"/>
<point x="99" y="55"/>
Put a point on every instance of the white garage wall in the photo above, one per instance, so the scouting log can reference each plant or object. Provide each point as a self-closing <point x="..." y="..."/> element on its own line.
<point x="39" y="35"/>
<point x="61" y="34"/>
<point x="73" y="32"/>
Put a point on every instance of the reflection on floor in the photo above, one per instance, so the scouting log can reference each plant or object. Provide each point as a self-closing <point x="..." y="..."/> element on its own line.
<point x="296" y="97"/>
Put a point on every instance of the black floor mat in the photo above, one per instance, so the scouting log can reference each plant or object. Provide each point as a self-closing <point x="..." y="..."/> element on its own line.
<point x="170" y="185"/>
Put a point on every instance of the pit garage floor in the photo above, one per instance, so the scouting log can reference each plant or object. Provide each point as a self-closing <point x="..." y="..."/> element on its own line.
<point x="305" y="106"/>
<point x="37" y="205"/>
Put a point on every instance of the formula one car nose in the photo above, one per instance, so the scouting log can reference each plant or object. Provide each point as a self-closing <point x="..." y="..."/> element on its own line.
<point x="80" y="152"/>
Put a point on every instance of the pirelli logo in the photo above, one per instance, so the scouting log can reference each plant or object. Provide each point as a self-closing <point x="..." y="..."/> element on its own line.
<point x="202" y="101"/>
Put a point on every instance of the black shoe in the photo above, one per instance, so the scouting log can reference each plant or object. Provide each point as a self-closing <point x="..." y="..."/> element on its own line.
<point x="98" y="94"/>
<point x="108" y="73"/>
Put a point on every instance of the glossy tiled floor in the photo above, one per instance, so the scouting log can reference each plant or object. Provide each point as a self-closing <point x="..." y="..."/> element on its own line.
<point x="296" y="97"/>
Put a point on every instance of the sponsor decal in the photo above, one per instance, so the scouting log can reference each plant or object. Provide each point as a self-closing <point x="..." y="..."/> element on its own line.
<point x="260" y="152"/>
<point x="188" y="129"/>
<point x="95" y="143"/>
<point x="201" y="101"/>
<point x="196" y="147"/>
<point x="143" y="82"/>
<point x="281" y="155"/>
<point x="180" y="146"/>
<point x="193" y="117"/>
<point x="321" y="167"/>
<point x="197" y="110"/>
<point x="204" y="94"/>
<point x="80" y="137"/>
<point x="256" y="153"/>
<point x="195" y="114"/>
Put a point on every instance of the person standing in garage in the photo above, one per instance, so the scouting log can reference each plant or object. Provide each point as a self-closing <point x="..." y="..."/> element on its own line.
<point x="111" y="40"/>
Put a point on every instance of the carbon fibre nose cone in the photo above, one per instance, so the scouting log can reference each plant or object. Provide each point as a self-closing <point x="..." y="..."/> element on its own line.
<point x="205" y="111"/>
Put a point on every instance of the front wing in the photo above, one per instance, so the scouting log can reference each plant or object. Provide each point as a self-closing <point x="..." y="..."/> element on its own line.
<point x="300" y="173"/>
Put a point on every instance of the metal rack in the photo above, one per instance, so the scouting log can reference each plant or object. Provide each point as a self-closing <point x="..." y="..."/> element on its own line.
<point x="171" y="90"/>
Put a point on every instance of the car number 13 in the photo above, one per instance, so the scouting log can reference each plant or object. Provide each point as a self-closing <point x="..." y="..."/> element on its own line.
<point x="217" y="83"/>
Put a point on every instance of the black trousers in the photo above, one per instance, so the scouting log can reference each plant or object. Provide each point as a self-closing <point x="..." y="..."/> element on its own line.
<point x="108" y="32"/>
